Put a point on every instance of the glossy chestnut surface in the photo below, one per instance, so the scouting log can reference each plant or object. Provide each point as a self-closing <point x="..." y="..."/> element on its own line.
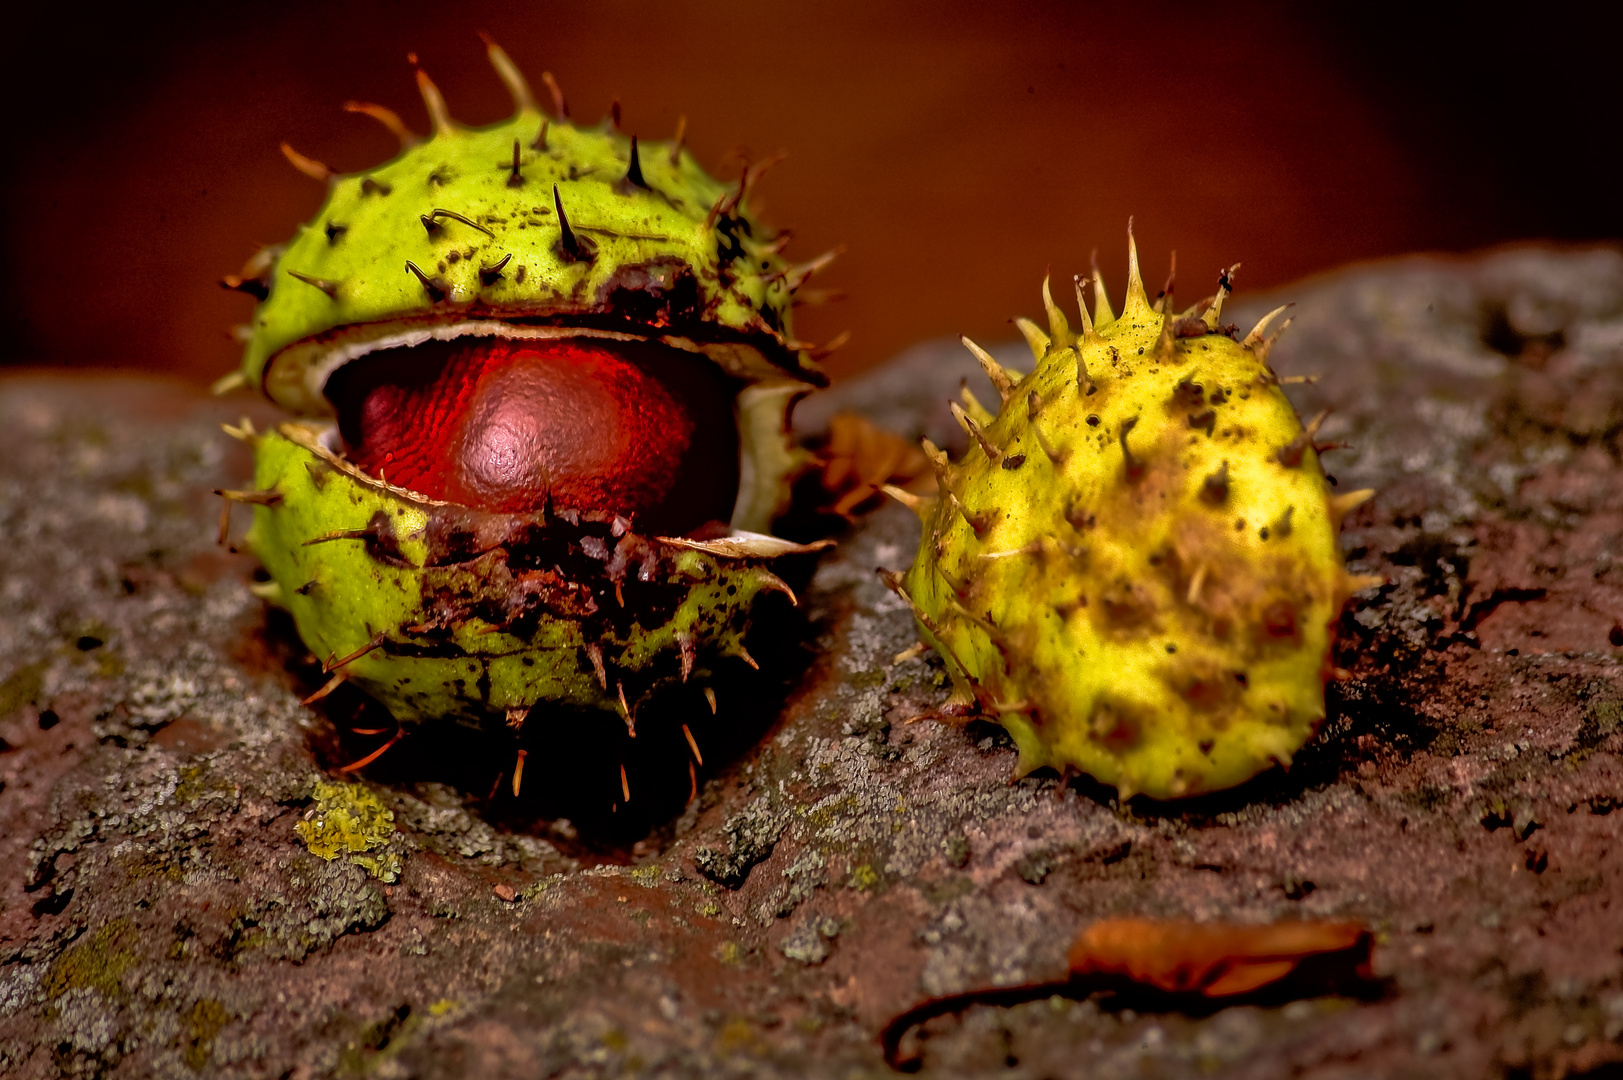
<point x="526" y="425"/>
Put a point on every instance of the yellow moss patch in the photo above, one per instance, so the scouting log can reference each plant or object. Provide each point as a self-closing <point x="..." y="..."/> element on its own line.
<point x="348" y="819"/>
<point x="863" y="878"/>
<point x="203" y="1023"/>
<point x="98" y="961"/>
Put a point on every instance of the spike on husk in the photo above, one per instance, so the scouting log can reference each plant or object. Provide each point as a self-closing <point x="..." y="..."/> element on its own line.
<point x="1000" y="378"/>
<point x="1137" y="301"/>
<point x="1103" y="316"/>
<point x="1036" y="340"/>
<point x="511" y="76"/>
<point x="388" y="118"/>
<point x="439" y="117"/>
<point x="1059" y="330"/>
<point x="310" y="167"/>
<point x="1225" y="284"/>
<point x="1258" y="332"/>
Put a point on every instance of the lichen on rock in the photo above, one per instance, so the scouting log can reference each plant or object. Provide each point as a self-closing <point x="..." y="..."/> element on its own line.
<point x="349" y="819"/>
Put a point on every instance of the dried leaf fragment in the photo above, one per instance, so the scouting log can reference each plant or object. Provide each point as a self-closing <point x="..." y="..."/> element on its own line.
<point x="1214" y="959"/>
<point x="1174" y="964"/>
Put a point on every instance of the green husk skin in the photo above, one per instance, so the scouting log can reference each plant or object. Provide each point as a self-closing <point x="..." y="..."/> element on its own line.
<point x="441" y="654"/>
<point x="656" y="260"/>
<point x="1133" y="567"/>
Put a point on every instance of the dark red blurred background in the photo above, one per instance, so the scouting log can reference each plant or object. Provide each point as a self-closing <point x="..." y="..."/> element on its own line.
<point x="956" y="149"/>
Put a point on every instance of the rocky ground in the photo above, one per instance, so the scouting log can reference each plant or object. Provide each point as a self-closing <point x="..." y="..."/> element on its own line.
<point x="160" y="915"/>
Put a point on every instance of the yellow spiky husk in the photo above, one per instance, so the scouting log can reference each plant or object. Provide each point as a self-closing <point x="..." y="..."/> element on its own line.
<point x="1133" y="567"/>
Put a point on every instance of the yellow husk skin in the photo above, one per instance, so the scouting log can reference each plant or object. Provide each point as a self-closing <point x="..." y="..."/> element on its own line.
<point x="1160" y="617"/>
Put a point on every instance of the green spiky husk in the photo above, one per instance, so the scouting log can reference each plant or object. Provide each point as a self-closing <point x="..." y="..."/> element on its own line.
<point x="661" y="261"/>
<point x="460" y="235"/>
<point x="448" y="632"/>
<point x="1159" y="616"/>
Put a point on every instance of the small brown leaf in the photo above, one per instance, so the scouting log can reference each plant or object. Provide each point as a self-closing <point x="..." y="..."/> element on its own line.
<point x="1176" y="962"/>
<point x="1214" y="959"/>
<point x="860" y="457"/>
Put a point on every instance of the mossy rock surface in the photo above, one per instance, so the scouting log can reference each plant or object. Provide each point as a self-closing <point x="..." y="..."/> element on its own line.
<point x="162" y="915"/>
